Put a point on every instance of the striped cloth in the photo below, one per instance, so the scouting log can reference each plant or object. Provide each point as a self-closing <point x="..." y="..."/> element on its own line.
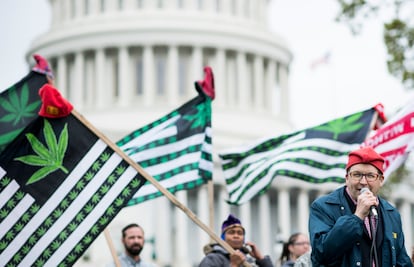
<point x="60" y="186"/>
<point x="315" y="155"/>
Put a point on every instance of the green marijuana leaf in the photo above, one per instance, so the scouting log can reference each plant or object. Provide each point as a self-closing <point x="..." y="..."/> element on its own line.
<point x="50" y="159"/>
<point x="342" y="125"/>
<point x="202" y="116"/>
<point x="18" y="107"/>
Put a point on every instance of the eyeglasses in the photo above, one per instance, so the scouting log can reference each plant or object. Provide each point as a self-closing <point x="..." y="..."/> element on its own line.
<point x="301" y="243"/>
<point x="370" y="176"/>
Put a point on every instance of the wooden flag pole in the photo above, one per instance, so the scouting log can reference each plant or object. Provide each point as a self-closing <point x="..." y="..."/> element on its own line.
<point x="210" y="192"/>
<point x="162" y="189"/>
<point x="112" y="247"/>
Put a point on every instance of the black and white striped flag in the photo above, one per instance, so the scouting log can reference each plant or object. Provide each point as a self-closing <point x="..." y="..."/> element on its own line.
<point x="60" y="186"/>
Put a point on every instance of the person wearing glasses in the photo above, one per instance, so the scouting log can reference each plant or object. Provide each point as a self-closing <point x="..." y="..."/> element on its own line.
<point x="296" y="246"/>
<point x="353" y="226"/>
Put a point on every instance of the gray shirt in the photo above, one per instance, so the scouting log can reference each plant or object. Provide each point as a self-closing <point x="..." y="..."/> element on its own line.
<point x="127" y="261"/>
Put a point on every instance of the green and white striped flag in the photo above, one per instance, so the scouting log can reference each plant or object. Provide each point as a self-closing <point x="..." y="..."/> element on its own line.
<point x="60" y="186"/>
<point x="176" y="149"/>
<point x="315" y="155"/>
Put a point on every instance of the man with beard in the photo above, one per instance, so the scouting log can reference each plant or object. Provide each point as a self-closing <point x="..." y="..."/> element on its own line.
<point x="133" y="240"/>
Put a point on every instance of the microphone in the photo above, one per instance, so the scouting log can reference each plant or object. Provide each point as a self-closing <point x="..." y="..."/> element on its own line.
<point x="373" y="209"/>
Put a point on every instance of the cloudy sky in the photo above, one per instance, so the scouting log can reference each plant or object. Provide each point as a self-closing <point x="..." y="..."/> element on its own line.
<point x="354" y="77"/>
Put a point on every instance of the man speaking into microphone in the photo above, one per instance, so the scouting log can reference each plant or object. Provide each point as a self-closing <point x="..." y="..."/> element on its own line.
<point x="353" y="226"/>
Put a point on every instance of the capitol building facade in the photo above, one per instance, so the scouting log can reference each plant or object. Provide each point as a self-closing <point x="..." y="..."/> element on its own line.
<point x="126" y="63"/>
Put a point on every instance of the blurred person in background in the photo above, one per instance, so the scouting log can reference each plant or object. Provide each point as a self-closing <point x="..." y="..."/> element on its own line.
<point x="297" y="245"/>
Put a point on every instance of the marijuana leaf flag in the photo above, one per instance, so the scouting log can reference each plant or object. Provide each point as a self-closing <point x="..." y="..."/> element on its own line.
<point x="176" y="149"/>
<point x="60" y="186"/>
<point x="316" y="155"/>
<point x="395" y="139"/>
<point x="19" y="103"/>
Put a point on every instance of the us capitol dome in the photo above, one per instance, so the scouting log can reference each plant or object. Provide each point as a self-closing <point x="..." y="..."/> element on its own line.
<point x="126" y="63"/>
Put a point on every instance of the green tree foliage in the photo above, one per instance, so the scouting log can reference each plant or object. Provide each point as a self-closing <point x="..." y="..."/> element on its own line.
<point x="398" y="31"/>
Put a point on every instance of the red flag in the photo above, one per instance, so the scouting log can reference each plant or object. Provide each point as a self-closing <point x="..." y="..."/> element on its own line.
<point x="395" y="139"/>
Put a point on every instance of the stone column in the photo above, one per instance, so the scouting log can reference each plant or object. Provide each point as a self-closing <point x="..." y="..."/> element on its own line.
<point x="219" y="71"/>
<point x="284" y="212"/>
<point x="172" y="75"/>
<point x="303" y="211"/>
<point x="100" y="88"/>
<point x="224" y="209"/>
<point x="259" y="86"/>
<point x="270" y="88"/>
<point x="197" y="70"/>
<point x="407" y="224"/>
<point x="181" y="240"/>
<point x="163" y="236"/>
<point x="148" y="75"/>
<point x="130" y="5"/>
<point x="62" y="76"/>
<point x="78" y="89"/>
<point x="124" y="81"/>
<point x="203" y="215"/>
<point x="246" y="218"/>
<point x="79" y="9"/>
<point x="284" y="91"/>
<point x="94" y="7"/>
<point x="242" y="87"/>
<point x="265" y="227"/>
<point x="231" y="83"/>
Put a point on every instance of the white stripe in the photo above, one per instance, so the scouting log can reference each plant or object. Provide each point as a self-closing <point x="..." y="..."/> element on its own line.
<point x="238" y="150"/>
<point x="180" y="178"/>
<point x="274" y="155"/>
<point x="206" y="165"/>
<point x="92" y="218"/>
<point x="160" y="131"/>
<point x="72" y="210"/>
<point x="168" y="148"/>
<point x="173" y="164"/>
<point x="53" y="201"/>
<point x="297" y="167"/>
<point x="8" y="192"/>
<point x="2" y="173"/>
<point x="15" y="215"/>
<point x="252" y="171"/>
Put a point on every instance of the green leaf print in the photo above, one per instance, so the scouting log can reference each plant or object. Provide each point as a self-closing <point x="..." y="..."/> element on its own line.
<point x="50" y="157"/>
<point x="342" y="125"/>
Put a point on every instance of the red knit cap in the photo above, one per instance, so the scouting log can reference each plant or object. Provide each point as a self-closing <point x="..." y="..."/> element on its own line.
<point x="53" y="103"/>
<point x="366" y="155"/>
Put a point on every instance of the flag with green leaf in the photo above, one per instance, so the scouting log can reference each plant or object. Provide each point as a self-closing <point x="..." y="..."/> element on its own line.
<point x="315" y="155"/>
<point x="175" y="149"/>
<point x="60" y="186"/>
<point x="20" y="103"/>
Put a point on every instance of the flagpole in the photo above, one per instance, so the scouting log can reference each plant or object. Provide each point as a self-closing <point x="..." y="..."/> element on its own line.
<point x="112" y="247"/>
<point x="210" y="192"/>
<point x="162" y="189"/>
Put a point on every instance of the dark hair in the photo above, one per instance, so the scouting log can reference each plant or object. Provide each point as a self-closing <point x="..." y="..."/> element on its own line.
<point x="130" y="226"/>
<point x="285" y="256"/>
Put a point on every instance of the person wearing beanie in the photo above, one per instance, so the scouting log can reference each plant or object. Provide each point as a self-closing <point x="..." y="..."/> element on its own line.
<point x="233" y="233"/>
<point x="353" y="226"/>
